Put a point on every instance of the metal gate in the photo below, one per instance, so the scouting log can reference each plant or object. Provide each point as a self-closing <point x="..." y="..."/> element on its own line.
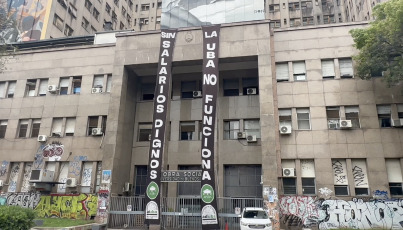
<point x="177" y="213"/>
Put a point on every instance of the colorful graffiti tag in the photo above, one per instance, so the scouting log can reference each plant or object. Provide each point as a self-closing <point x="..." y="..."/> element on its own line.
<point x="25" y="200"/>
<point x="335" y="214"/>
<point x="80" y="206"/>
<point x="53" y="151"/>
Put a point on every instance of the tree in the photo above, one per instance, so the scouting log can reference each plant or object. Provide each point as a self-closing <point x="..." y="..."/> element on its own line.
<point x="381" y="44"/>
<point x="8" y="34"/>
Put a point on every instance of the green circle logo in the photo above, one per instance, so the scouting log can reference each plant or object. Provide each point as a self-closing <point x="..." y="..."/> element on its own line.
<point x="207" y="193"/>
<point x="152" y="190"/>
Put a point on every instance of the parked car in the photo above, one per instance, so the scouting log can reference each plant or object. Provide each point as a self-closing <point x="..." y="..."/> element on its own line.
<point x="255" y="218"/>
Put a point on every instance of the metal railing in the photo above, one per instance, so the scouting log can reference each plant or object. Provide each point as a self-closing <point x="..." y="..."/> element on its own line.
<point x="177" y="212"/>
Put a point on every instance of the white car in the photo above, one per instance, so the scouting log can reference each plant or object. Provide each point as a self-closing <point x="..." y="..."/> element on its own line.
<point x="255" y="218"/>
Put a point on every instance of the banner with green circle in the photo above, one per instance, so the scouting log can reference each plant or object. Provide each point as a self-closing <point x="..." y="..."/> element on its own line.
<point x="207" y="193"/>
<point x="152" y="190"/>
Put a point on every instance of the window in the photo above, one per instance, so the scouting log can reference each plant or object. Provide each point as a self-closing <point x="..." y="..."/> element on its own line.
<point x="36" y="124"/>
<point x="131" y="4"/>
<point x="333" y="117"/>
<point x="394" y="171"/>
<point x="190" y="130"/>
<point x="88" y="5"/>
<point x="116" y="2"/>
<point x="360" y="176"/>
<point x="123" y="11"/>
<point x="68" y="31"/>
<point x="85" y="23"/>
<point x="3" y="128"/>
<point x="62" y="3"/>
<point x="250" y="86"/>
<point x="294" y="22"/>
<point x="384" y="115"/>
<point x="159" y="5"/>
<point x="43" y="87"/>
<point x="70" y="126"/>
<point x="94" y="122"/>
<point x="400" y="111"/>
<point x="144" y="131"/>
<point x="121" y="26"/>
<point x="57" y="127"/>
<point x="252" y="127"/>
<point x="23" y="128"/>
<point x="327" y="19"/>
<point x="352" y="114"/>
<point x="2" y="89"/>
<point x="346" y="68"/>
<point x="72" y="11"/>
<point x="285" y="117"/>
<point x="328" y="69"/>
<point x="187" y="88"/>
<point x="98" y="81"/>
<point x="299" y="71"/>
<point x="30" y="88"/>
<point x="76" y="85"/>
<point x="274" y="8"/>
<point x="95" y="13"/>
<point x="108" y="8"/>
<point x="306" y="21"/>
<point x="108" y="83"/>
<point x="282" y="72"/>
<point x="63" y="174"/>
<point x="275" y="23"/>
<point x="13" y="179"/>
<point x="158" y="20"/>
<point x="147" y="91"/>
<point x="293" y="6"/>
<point x="231" y="87"/>
<point x="26" y="176"/>
<point x="231" y="129"/>
<point x="242" y="181"/>
<point x="145" y="7"/>
<point x="86" y="177"/>
<point x="141" y="180"/>
<point x="11" y="89"/>
<point x="339" y="167"/>
<point x="308" y="177"/>
<point x="303" y="119"/>
<point x="143" y="21"/>
<point x="58" y="22"/>
<point x="129" y="20"/>
<point x="290" y="185"/>
<point x="64" y="85"/>
<point x="189" y="189"/>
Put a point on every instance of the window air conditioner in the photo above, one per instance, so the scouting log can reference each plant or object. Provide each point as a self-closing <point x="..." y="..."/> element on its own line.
<point x="96" y="90"/>
<point x="241" y="135"/>
<point x="96" y="132"/>
<point x="397" y="123"/>
<point x="285" y="129"/>
<point x="52" y="88"/>
<point x="288" y="172"/>
<point x="251" y="138"/>
<point x="41" y="175"/>
<point x="197" y="94"/>
<point x="251" y="91"/>
<point x="345" y="124"/>
<point x="42" y="138"/>
<point x="71" y="182"/>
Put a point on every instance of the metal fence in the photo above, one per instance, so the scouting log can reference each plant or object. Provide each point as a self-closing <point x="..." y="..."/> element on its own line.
<point x="177" y="213"/>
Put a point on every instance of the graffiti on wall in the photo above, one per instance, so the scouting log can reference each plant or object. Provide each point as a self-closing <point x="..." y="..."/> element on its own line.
<point x="12" y="187"/>
<point x="334" y="214"/>
<point x="74" y="206"/>
<point x="29" y="15"/>
<point x="53" y="151"/>
<point x="38" y="159"/>
<point x="75" y="165"/>
<point x="103" y="203"/>
<point x="25" y="200"/>
<point x="3" y="168"/>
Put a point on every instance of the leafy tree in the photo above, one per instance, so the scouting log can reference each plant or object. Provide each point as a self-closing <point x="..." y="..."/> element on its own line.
<point x="8" y="34"/>
<point x="381" y="44"/>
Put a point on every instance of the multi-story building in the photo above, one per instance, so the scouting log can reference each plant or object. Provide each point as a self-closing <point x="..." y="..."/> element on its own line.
<point x="291" y="115"/>
<point x="36" y="20"/>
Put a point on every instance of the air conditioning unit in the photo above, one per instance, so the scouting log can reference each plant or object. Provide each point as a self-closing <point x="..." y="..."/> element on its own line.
<point x="96" y="90"/>
<point x="42" y="138"/>
<point x="197" y="94"/>
<point x="397" y="123"/>
<point x="241" y="135"/>
<point x="127" y="187"/>
<point x="96" y="132"/>
<point x="56" y="134"/>
<point x="41" y="175"/>
<point x="285" y="129"/>
<point x="52" y="88"/>
<point x="251" y="91"/>
<point x="251" y="138"/>
<point x="71" y="182"/>
<point x="1" y="183"/>
<point x="287" y="172"/>
<point x="345" y="124"/>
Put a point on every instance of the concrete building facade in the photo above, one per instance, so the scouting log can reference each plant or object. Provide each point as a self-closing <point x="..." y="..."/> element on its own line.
<point x="291" y="115"/>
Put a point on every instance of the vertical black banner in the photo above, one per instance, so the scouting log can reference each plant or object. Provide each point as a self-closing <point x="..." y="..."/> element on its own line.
<point x="210" y="90"/>
<point x="161" y="98"/>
